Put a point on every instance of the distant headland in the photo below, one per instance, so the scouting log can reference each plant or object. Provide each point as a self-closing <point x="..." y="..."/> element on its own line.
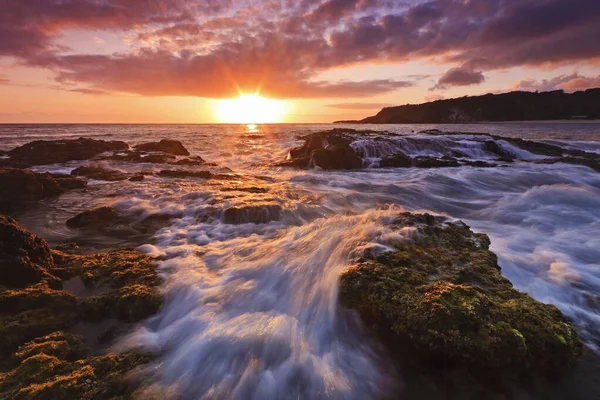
<point x="513" y="106"/>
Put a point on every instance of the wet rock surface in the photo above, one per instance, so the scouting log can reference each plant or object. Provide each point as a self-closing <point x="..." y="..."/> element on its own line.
<point x="442" y="293"/>
<point x="98" y="173"/>
<point x="252" y="214"/>
<point x="24" y="257"/>
<point x="18" y="186"/>
<point x="59" y="151"/>
<point x="327" y="150"/>
<point x="40" y="358"/>
<point x="170" y="173"/>
<point x="165" y="146"/>
<point x="355" y="149"/>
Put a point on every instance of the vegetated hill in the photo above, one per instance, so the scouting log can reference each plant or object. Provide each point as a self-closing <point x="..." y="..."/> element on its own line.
<point x="513" y="106"/>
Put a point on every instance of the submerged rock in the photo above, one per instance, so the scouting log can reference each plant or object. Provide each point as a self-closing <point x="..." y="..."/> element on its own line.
<point x="99" y="217"/>
<point x="185" y="174"/>
<point x="174" y="147"/>
<point x="252" y="214"/>
<point x="18" y="186"/>
<point x="444" y="295"/>
<point x="43" y="152"/>
<point x="108" y="221"/>
<point x="24" y="257"/>
<point x="100" y="174"/>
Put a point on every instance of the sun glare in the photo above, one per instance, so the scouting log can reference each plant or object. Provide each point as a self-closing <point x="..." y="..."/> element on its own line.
<point x="250" y="109"/>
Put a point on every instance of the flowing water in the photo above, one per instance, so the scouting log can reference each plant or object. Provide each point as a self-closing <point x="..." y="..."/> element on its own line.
<point x="251" y="303"/>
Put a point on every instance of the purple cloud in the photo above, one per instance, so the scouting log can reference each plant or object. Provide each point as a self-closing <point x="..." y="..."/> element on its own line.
<point x="215" y="48"/>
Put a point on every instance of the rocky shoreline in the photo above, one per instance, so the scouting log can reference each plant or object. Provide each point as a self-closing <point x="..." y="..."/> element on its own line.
<point x="439" y="296"/>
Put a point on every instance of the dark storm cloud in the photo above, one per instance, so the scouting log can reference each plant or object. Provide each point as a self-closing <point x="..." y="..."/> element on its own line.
<point x="215" y="48"/>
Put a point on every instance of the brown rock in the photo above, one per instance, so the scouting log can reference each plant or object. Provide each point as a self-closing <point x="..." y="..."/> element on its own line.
<point x="165" y="146"/>
<point x="43" y="152"/>
<point x="100" y="174"/>
<point x="24" y="257"/>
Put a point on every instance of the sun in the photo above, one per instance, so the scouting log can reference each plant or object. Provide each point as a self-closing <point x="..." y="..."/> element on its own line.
<point x="250" y="109"/>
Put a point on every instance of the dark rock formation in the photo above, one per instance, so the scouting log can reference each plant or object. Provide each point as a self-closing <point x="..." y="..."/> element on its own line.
<point x="492" y="147"/>
<point x="185" y="174"/>
<point x="252" y="214"/>
<point x="197" y="160"/>
<point x="514" y="106"/>
<point x="99" y="217"/>
<point x="59" y="151"/>
<point x="434" y="162"/>
<point x="100" y="174"/>
<point x="18" y="186"/>
<point x="443" y="294"/>
<point x="327" y="150"/>
<point x="24" y="257"/>
<point x="141" y="157"/>
<point x="398" y="160"/>
<point x="165" y="146"/>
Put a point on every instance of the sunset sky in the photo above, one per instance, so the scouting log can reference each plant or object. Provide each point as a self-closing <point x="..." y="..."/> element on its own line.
<point x="172" y="60"/>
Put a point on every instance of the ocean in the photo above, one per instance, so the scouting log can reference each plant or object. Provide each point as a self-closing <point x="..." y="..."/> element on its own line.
<point x="251" y="308"/>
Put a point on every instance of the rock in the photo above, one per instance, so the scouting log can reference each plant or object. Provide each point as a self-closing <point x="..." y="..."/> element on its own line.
<point x="132" y="278"/>
<point x="25" y="258"/>
<point x="99" y="217"/>
<point x="141" y="157"/>
<point x="46" y="362"/>
<point x="185" y="174"/>
<point x="252" y="214"/>
<point x="165" y="146"/>
<point x="539" y="148"/>
<point x="587" y="162"/>
<point x="137" y="178"/>
<point x="18" y="186"/>
<point x="434" y="162"/>
<point x="336" y="157"/>
<point x="398" y="160"/>
<point x="493" y="147"/>
<point x="442" y="293"/>
<point x="56" y="369"/>
<point x="328" y="150"/>
<point x="109" y="221"/>
<point x="192" y="161"/>
<point x="100" y="174"/>
<point x="59" y="151"/>
<point x="14" y="164"/>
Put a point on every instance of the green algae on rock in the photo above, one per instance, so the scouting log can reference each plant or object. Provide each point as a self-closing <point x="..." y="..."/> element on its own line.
<point x="55" y="367"/>
<point x="131" y="277"/>
<point x="443" y="294"/>
<point x="38" y="358"/>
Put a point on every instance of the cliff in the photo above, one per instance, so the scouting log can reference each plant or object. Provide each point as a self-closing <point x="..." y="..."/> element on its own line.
<point x="513" y="106"/>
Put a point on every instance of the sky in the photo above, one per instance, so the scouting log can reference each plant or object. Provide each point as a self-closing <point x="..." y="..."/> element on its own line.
<point x="176" y="61"/>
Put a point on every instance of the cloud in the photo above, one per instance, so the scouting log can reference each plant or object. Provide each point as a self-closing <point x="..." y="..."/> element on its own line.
<point x="465" y="75"/>
<point x="215" y="48"/>
<point x="4" y="80"/>
<point x="359" y="106"/>
<point x="571" y="82"/>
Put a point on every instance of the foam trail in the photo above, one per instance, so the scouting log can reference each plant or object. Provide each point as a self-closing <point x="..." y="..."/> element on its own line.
<point x="258" y="317"/>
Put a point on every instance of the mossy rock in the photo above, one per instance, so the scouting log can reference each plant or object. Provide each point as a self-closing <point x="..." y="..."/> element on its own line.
<point x="44" y="377"/>
<point x="32" y="312"/>
<point x="443" y="293"/>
